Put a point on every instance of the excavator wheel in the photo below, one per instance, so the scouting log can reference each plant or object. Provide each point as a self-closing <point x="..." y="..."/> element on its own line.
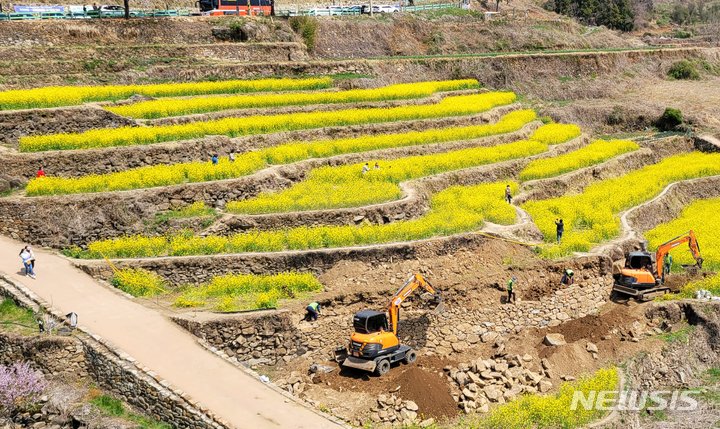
<point x="410" y="357"/>
<point x="382" y="367"/>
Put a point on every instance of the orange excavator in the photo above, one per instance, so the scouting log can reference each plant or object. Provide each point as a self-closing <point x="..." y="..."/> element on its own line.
<point x="643" y="275"/>
<point x="374" y="345"/>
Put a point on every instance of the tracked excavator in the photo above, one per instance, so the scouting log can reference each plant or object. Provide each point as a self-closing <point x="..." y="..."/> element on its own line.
<point x="643" y="276"/>
<point x="374" y="345"/>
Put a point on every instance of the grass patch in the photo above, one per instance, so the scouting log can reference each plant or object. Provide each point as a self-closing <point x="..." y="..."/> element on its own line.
<point x="679" y="336"/>
<point x="114" y="407"/>
<point x="11" y="316"/>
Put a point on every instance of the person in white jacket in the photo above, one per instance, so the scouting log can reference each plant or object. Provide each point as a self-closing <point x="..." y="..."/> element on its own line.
<point x="32" y="256"/>
<point x="26" y="258"/>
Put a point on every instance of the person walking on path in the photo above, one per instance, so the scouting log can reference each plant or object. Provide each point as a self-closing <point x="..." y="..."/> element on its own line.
<point x="667" y="263"/>
<point x="567" y="278"/>
<point x="40" y="173"/>
<point x="365" y="169"/>
<point x="511" y="290"/>
<point x="25" y="255"/>
<point x="560" y="228"/>
<point x="508" y="194"/>
<point x="32" y="256"/>
<point x="312" y="311"/>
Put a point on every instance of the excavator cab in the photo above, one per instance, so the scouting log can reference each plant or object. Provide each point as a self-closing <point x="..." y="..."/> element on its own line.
<point x="638" y="272"/>
<point x="374" y="345"/>
<point x="643" y="275"/>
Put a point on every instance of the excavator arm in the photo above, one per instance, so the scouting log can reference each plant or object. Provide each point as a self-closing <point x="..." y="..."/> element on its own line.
<point x="664" y="249"/>
<point x="409" y="287"/>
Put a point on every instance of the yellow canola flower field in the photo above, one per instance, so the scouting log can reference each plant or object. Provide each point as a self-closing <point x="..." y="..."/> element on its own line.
<point x="233" y="127"/>
<point x="552" y="411"/>
<point x="174" y="107"/>
<point x="250" y="162"/>
<point x="701" y="217"/>
<point x="589" y="217"/>
<point x="139" y="283"/>
<point x="54" y="96"/>
<point x="594" y="153"/>
<point x="454" y="210"/>
<point x="248" y="291"/>
<point x="347" y="186"/>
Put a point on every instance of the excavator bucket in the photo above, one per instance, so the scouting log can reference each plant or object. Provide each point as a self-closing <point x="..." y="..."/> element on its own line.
<point x="437" y="300"/>
<point x="363" y="364"/>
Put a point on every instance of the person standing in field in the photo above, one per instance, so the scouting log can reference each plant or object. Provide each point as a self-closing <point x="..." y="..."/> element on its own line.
<point x="215" y="160"/>
<point x="366" y="168"/>
<point x="560" y="228"/>
<point x="232" y="157"/>
<point x="25" y="256"/>
<point x="511" y="290"/>
<point x="376" y="167"/>
<point x="508" y="194"/>
<point x="568" y="277"/>
<point x="40" y="173"/>
<point x="667" y="263"/>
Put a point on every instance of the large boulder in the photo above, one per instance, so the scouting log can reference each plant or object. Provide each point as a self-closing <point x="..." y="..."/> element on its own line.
<point x="554" y="340"/>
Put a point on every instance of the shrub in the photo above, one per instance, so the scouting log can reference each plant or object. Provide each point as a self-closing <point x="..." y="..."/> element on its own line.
<point x="533" y="411"/>
<point x="248" y="291"/>
<point x="306" y="26"/>
<point x="670" y="119"/>
<point x="138" y="282"/>
<point x="683" y="69"/>
<point x="20" y="387"/>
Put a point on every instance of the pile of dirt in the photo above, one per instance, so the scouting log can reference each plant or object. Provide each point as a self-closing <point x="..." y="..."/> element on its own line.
<point x="593" y="327"/>
<point x="429" y="391"/>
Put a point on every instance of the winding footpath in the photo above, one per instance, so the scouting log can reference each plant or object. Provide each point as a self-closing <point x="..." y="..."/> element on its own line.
<point x="159" y="344"/>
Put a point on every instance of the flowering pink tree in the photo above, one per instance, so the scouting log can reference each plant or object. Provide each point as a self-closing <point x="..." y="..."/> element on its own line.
<point x="20" y="387"/>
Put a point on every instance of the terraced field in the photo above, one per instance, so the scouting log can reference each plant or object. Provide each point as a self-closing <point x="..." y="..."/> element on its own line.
<point x="352" y="173"/>
<point x="255" y="210"/>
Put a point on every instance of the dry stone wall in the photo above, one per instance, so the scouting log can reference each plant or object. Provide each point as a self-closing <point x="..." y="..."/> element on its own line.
<point x="20" y="123"/>
<point x="272" y="338"/>
<point x="88" y="354"/>
<point x="76" y="163"/>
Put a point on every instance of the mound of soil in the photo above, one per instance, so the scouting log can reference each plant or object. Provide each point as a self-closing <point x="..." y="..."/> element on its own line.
<point x="592" y="327"/>
<point x="429" y="391"/>
<point x="423" y="382"/>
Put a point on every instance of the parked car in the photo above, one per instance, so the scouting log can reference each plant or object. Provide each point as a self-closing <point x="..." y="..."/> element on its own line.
<point x="384" y="8"/>
<point x="113" y="10"/>
<point x="352" y="10"/>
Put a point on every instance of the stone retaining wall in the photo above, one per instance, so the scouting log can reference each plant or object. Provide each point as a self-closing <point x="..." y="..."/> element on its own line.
<point x="88" y="354"/>
<point x="86" y="218"/>
<point x="272" y="337"/>
<point x="669" y="205"/>
<point x="75" y="119"/>
<point x="81" y="162"/>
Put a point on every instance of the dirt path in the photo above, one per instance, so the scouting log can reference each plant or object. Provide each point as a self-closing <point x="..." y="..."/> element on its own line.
<point x="159" y="344"/>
